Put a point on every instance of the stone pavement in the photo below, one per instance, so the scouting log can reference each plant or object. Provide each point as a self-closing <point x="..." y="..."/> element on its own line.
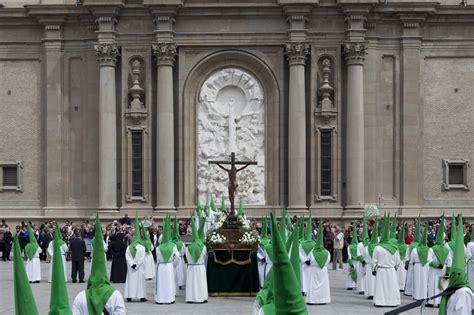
<point x="343" y="302"/>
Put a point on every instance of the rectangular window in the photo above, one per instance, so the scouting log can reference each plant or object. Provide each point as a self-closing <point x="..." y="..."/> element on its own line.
<point x="10" y="176"/>
<point x="456" y="174"/>
<point x="326" y="162"/>
<point x="137" y="163"/>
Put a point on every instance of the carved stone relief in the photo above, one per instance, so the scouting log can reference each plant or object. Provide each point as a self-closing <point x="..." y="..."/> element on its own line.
<point x="231" y="118"/>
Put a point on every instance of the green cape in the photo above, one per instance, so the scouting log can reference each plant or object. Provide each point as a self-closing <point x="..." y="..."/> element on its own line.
<point x="137" y="240"/>
<point x="176" y="237"/>
<point x="202" y="222"/>
<point x="385" y="240"/>
<point x="439" y="248"/>
<point x="146" y="242"/>
<point x="166" y="245"/>
<point x="98" y="289"/>
<point x="374" y="239"/>
<point x="320" y="254"/>
<point x="32" y="246"/>
<point x="24" y="300"/>
<point x="457" y="274"/>
<point x="196" y="245"/>
<point x="288" y="298"/>
<point x="308" y="243"/>
<point x="59" y="300"/>
<point x="422" y="248"/>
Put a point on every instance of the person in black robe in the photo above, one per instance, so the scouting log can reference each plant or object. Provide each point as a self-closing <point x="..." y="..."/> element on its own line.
<point x="118" y="246"/>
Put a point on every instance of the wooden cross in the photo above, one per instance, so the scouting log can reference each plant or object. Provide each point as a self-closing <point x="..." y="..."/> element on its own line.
<point x="232" y="172"/>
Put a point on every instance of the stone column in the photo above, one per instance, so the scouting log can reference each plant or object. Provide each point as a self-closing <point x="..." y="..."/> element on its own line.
<point x="165" y="53"/>
<point x="296" y="53"/>
<point x="107" y="54"/>
<point x="355" y="52"/>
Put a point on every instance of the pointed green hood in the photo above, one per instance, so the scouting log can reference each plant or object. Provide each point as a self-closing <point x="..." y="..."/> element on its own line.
<point x="439" y="249"/>
<point x="176" y="237"/>
<point x="295" y="254"/>
<point x="457" y="273"/>
<point x="137" y="240"/>
<point x="223" y="204"/>
<point x="146" y="241"/>
<point x="24" y="300"/>
<point x="385" y="238"/>
<point x="422" y="248"/>
<point x="241" y="207"/>
<point x="319" y="252"/>
<point x="308" y="243"/>
<point x="213" y="204"/>
<point x="283" y="226"/>
<point x="207" y="207"/>
<point x="166" y="245"/>
<point x="196" y="246"/>
<point x="402" y="247"/>
<point x="32" y="247"/>
<point x="98" y="289"/>
<point x="59" y="300"/>
<point x="266" y="243"/>
<point x="416" y="234"/>
<point x="301" y="229"/>
<point x="202" y="222"/>
<point x="452" y="239"/>
<point x="288" y="298"/>
<point x="198" y="206"/>
<point x="393" y="228"/>
<point x="374" y="240"/>
<point x="365" y="232"/>
<point x="354" y="243"/>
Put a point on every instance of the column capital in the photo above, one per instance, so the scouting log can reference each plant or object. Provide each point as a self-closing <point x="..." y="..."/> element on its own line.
<point x="354" y="52"/>
<point x="296" y="52"/>
<point x="107" y="53"/>
<point x="164" y="52"/>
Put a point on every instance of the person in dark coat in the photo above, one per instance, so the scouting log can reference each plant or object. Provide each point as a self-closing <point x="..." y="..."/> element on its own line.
<point x="118" y="246"/>
<point x="8" y="239"/>
<point x="78" y="253"/>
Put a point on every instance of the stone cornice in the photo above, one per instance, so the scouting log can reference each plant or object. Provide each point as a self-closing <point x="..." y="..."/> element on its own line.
<point x="55" y="10"/>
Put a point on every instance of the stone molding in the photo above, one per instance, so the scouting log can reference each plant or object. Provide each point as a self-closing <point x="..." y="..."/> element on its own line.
<point x="164" y="53"/>
<point x="296" y="52"/>
<point x="107" y="53"/>
<point x="354" y="52"/>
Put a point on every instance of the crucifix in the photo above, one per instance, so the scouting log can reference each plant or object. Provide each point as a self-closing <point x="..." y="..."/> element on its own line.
<point x="232" y="173"/>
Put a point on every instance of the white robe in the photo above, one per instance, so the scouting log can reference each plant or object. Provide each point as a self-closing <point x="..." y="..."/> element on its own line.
<point x="180" y="268"/>
<point x="420" y="274"/>
<point x="33" y="267"/>
<point x="433" y="278"/>
<point x="150" y="267"/>
<point x="196" y="284"/>
<point x="305" y="272"/>
<point x="460" y="303"/>
<point x="318" y="282"/>
<point x="165" y="289"/>
<point x="402" y="272"/>
<point x="369" y="277"/>
<point x="115" y="304"/>
<point x="387" y="292"/>
<point x="135" y="285"/>
<point x="470" y="264"/>
<point x="64" y="249"/>
<point x="350" y="284"/>
<point x="409" y="279"/>
<point x="360" y="269"/>
<point x="261" y="265"/>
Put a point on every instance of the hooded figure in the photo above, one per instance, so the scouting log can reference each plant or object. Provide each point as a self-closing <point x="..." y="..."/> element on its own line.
<point x="420" y="258"/>
<point x="409" y="280"/>
<point x="24" y="300"/>
<point x="438" y="267"/>
<point x="393" y="230"/>
<point x="403" y="251"/>
<point x="287" y="292"/>
<point x="364" y="240"/>
<point x="355" y="259"/>
<point x="32" y="251"/>
<point x="135" y="285"/>
<point x="63" y="252"/>
<point x="318" y="287"/>
<point x="458" y="302"/>
<point x="452" y="238"/>
<point x="166" y="255"/>
<point x="470" y="258"/>
<point x="265" y="299"/>
<point x="263" y="254"/>
<point x="59" y="300"/>
<point x="294" y="252"/>
<point x="149" y="263"/>
<point x="386" y="257"/>
<point x="222" y="204"/>
<point x="180" y="269"/>
<point x="369" y="266"/>
<point x="99" y="295"/>
<point x="305" y="250"/>
<point x="196" y="278"/>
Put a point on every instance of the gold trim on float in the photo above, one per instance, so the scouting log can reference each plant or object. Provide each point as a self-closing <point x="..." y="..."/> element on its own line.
<point x="230" y="294"/>
<point x="232" y="260"/>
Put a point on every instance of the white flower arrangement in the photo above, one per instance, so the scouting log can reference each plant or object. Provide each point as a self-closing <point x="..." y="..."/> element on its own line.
<point x="248" y="238"/>
<point x="244" y="222"/>
<point x="216" y="238"/>
<point x="220" y="221"/>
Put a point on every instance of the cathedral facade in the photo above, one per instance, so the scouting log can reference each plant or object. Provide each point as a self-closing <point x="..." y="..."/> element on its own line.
<point x="119" y="105"/>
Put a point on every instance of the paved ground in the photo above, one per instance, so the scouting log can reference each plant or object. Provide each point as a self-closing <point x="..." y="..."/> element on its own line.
<point x="343" y="301"/>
